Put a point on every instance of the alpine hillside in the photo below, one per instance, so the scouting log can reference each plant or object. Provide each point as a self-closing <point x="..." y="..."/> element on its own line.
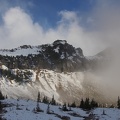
<point x="59" y="56"/>
<point x="57" y="69"/>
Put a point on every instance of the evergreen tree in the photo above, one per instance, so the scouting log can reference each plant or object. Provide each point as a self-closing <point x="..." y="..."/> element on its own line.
<point x="69" y="107"/>
<point x="64" y="107"/>
<point x="87" y="104"/>
<point x="53" y="102"/>
<point x="118" y="103"/>
<point x="1" y="96"/>
<point x="48" y="109"/>
<point x="93" y="104"/>
<point x="1" y="106"/>
<point x="73" y="104"/>
<point x="82" y="104"/>
<point x="0" y="72"/>
<point x="38" y="98"/>
<point x="45" y="100"/>
<point x="1" y="110"/>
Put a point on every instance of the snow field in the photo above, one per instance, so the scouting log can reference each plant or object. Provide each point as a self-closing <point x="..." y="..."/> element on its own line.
<point x="26" y="107"/>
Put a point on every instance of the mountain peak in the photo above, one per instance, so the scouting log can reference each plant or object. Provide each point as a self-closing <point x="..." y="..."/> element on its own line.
<point x="26" y="46"/>
<point x="59" y="42"/>
<point x="58" y="55"/>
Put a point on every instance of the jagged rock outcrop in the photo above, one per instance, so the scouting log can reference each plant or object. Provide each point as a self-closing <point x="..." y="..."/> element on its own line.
<point x="59" y="56"/>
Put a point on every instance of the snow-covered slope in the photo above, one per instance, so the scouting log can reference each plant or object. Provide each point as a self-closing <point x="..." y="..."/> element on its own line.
<point x="48" y="82"/>
<point x="66" y="87"/>
<point x="23" y="110"/>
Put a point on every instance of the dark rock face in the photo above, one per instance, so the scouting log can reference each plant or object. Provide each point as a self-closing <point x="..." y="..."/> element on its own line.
<point x="59" y="56"/>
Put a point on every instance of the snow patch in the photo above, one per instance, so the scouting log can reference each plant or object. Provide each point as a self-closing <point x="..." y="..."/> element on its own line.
<point x="20" y="51"/>
<point x="4" y="67"/>
<point x="56" y="50"/>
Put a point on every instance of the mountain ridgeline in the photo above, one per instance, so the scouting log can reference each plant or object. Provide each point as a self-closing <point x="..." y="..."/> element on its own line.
<point x="59" y="56"/>
<point x="57" y="69"/>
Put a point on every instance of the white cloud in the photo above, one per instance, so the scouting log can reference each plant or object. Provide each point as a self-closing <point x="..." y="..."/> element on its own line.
<point x="19" y="29"/>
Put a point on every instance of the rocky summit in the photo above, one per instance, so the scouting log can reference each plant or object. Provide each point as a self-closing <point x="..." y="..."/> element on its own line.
<point x="59" y="56"/>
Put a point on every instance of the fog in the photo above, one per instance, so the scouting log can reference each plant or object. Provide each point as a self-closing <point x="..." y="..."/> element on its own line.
<point x="109" y="30"/>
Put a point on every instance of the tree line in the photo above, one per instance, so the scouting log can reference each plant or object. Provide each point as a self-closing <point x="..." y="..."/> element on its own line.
<point x="85" y="104"/>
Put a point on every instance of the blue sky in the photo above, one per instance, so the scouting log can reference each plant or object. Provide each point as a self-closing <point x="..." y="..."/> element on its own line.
<point x="46" y="11"/>
<point x="89" y="24"/>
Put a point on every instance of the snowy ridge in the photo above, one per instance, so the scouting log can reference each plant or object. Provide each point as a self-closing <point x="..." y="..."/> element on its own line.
<point x="25" y="50"/>
<point x="20" y="51"/>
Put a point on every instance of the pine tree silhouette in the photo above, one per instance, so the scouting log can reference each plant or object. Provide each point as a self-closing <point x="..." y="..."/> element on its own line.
<point x="48" y="109"/>
<point x="53" y="102"/>
<point x="73" y="104"/>
<point x="38" y="98"/>
<point x="1" y="96"/>
<point x="64" y="107"/>
<point x="38" y="106"/>
<point x="82" y="104"/>
<point x="45" y="100"/>
<point x="87" y="104"/>
<point x="93" y="104"/>
<point x="118" y="103"/>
